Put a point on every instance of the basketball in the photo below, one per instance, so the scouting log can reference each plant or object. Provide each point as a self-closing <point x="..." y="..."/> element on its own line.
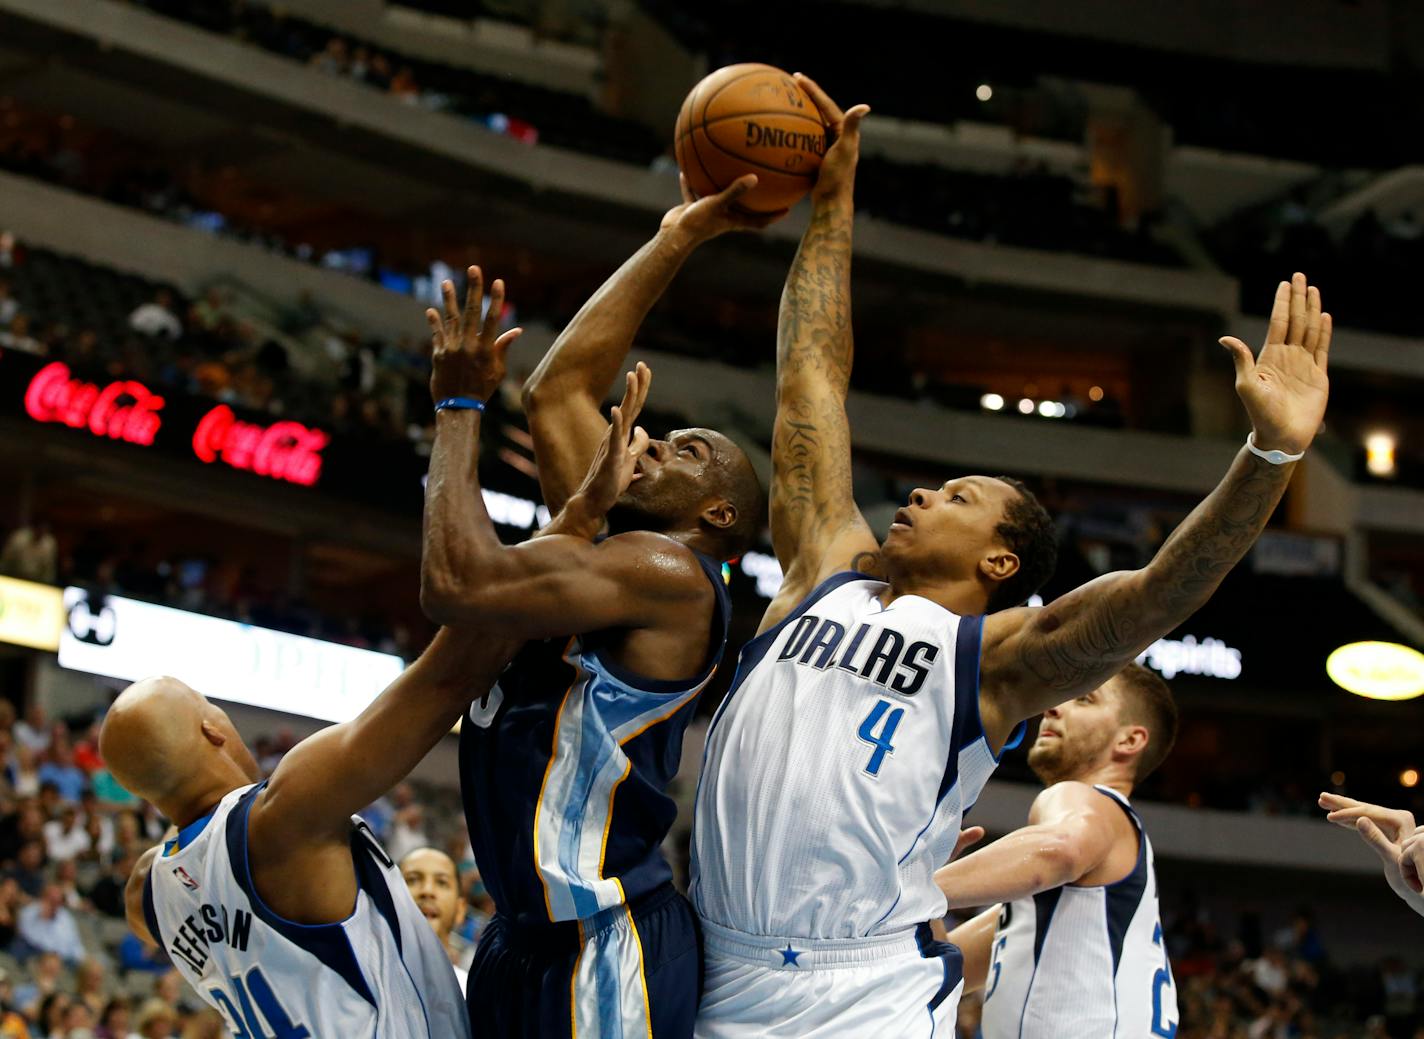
<point x="751" y="119"/>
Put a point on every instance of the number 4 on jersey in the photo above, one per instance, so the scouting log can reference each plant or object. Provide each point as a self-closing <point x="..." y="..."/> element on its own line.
<point x="880" y="742"/>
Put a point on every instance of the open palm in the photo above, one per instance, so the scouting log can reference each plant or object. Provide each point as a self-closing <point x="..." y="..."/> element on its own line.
<point x="1285" y="388"/>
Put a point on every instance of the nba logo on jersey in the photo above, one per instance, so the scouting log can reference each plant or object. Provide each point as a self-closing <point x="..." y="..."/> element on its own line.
<point x="186" y="880"/>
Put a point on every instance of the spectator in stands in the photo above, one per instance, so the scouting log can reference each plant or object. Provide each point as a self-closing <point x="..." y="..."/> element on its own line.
<point x="156" y="1020"/>
<point x="114" y="1021"/>
<point x="135" y="954"/>
<point x="9" y="305"/>
<point x="61" y="770"/>
<point x="33" y="729"/>
<point x="28" y="870"/>
<point x="65" y="837"/>
<point x="207" y="1023"/>
<point x="46" y="925"/>
<point x="31" y="554"/>
<point x="433" y="881"/>
<point x="107" y="894"/>
<point x="23" y="772"/>
<point x="46" y="977"/>
<point x="9" y="250"/>
<point x="156" y="317"/>
<point x="91" y="985"/>
<point x="16" y="336"/>
<point x="54" y="1008"/>
<point x="11" y="899"/>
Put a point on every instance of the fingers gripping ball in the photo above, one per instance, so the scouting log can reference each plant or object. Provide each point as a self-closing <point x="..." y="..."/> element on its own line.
<point x="751" y="119"/>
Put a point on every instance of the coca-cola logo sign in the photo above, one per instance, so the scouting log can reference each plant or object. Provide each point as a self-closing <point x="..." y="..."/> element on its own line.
<point x="284" y="450"/>
<point x="123" y="410"/>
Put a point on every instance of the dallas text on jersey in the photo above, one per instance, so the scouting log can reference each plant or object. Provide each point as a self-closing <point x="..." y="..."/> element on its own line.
<point x="893" y="665"/>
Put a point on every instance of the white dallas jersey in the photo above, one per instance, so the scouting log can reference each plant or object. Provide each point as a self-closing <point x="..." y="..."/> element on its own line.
<point x="380" y="973"/>
<point x="1084" y="962"/>
<point x="839" y="766"/>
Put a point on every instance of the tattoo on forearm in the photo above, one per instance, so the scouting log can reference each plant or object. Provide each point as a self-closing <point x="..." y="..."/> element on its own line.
<point x="814" y="345"/>
<point x="1091" y="633"/>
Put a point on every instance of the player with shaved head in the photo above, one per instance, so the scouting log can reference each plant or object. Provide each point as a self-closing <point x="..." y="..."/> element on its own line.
<point x="273" y="901"/>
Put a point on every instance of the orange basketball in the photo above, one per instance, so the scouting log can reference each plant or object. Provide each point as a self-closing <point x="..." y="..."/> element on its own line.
<point x="751" y="119"/>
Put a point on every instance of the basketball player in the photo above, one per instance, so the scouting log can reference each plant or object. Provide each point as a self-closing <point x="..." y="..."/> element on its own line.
<point x="434" y="883"/>
<point x="1075" y="951"/>
<point x="888" y="678"/>
<point x="564" y="765"/>
<point x="277" y="906"/>
<point x="1391" y="835"/>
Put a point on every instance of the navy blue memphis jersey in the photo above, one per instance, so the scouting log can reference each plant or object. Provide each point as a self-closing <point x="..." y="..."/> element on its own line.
<point x="563" y="768"/>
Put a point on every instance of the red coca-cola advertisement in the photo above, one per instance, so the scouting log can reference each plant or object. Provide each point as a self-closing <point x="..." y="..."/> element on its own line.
<point x="285" y="450"/>
<point x="123" y="410"/>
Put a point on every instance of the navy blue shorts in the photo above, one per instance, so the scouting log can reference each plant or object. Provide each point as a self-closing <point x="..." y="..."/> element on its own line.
<point x="633" y="970"/>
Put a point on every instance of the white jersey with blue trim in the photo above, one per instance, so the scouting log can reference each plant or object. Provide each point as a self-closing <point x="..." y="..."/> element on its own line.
<point x="839" y="766"/>
<point x="1084" y="962"/>
<point x="379" y="973"/>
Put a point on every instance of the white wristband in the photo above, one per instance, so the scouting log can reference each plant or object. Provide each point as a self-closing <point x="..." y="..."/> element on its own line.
<point x="1274" y="457"/>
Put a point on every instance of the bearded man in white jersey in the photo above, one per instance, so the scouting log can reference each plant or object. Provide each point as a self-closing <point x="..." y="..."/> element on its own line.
<point x="1075" y="951"/>
<point x="888" y="678"/>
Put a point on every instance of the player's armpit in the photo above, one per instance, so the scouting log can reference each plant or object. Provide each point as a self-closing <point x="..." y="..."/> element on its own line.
<point x="133" y="896"/>
<point x="975" y="939"/>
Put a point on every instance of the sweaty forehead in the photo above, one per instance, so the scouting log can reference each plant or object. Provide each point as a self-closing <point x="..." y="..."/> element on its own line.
<point x="719" y="442"/>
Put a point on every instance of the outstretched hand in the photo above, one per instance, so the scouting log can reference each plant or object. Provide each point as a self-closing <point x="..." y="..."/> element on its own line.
<point x="1390" y="834"/>
<point x="706" y="218"/>
<point x="837" y="174"/>
<point x="1285" y="388"/>
<point x="615" y="466"/>
<point x="468" y="358"/>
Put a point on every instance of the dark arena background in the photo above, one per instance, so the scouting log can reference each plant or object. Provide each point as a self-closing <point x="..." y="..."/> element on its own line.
<point x="221" y="222"/>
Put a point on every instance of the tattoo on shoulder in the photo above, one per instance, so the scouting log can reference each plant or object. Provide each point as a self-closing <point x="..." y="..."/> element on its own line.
<point x="868" y="563"/>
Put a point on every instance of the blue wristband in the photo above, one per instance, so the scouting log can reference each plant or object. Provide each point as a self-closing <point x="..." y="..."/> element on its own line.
<point x="461" y="403"/>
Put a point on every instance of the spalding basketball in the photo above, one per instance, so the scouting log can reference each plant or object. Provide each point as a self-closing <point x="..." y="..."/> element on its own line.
<point x="751" y="119"/>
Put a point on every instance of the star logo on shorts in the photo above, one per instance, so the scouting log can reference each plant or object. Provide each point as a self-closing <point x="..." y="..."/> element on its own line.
<point x="788" y="956"/>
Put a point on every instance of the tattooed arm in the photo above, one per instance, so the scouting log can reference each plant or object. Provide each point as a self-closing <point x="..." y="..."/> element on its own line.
<point x="564" y="396"/>
<point x="816" y="528"/>
<point x="1036" y="658"/>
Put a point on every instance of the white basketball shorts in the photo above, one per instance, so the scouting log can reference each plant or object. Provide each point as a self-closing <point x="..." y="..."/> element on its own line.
<point x="904" y="985"/>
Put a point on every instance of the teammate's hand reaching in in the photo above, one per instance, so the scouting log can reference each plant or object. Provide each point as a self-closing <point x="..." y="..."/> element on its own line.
<point x="1391" y="835"/>
<point x="837" y="176"/>
<point x="468" y="356"/>
<point x="1285" y="388"/>
<point x="706" y="218"/>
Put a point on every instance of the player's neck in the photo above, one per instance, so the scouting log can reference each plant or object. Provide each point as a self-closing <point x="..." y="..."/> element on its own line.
<point x="964" y="598"/>
<point x="201" y="796"/>
<point x="1110" y="775"/>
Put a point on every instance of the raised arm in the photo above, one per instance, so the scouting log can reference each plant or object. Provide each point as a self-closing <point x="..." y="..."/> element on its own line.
<point x="554" y="585"/>
<point x="975" y="939"/>
<point x="1071" y="831"/>
<point x="1036" y="658"/>
<point x="816" y="527"/>
<point x="563" y="399"/>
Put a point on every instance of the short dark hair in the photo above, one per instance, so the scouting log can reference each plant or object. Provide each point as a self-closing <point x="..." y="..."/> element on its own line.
<point x="743" y="490"/>
<point x="1147" y="701"/>
<point x="1027" y="531"/>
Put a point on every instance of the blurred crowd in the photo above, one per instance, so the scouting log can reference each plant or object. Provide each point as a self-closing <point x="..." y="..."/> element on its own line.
<point x="296" y="360"/>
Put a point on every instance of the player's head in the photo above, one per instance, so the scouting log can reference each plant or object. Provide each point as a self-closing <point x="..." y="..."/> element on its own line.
<point x="698" y="481"/>
<point x="434" y="883"/>
<point x="986" y="529"/>
<point x="1127" y="724"/>
<point x="166" y="743"/>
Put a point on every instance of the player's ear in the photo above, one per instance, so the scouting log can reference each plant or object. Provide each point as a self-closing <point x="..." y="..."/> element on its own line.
<point x="720" y="515"/>
<point x="213" y="734"/>
<point x="999" y="565"/>
<point x="1133" y="740"/>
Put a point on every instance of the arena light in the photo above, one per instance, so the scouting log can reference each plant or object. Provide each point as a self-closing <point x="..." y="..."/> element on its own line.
<point x="1377" y="670"/>
<point x="1095" y="394"/>
<point x="1025" y="406"/>
<point x="991" y="402"/>
<point x="1379" y="454"/>
<point x="127" y="639"/>
<point x="1409" y="778"/>
<point x="984" y="92"/>
<point x="30" y="614"/>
